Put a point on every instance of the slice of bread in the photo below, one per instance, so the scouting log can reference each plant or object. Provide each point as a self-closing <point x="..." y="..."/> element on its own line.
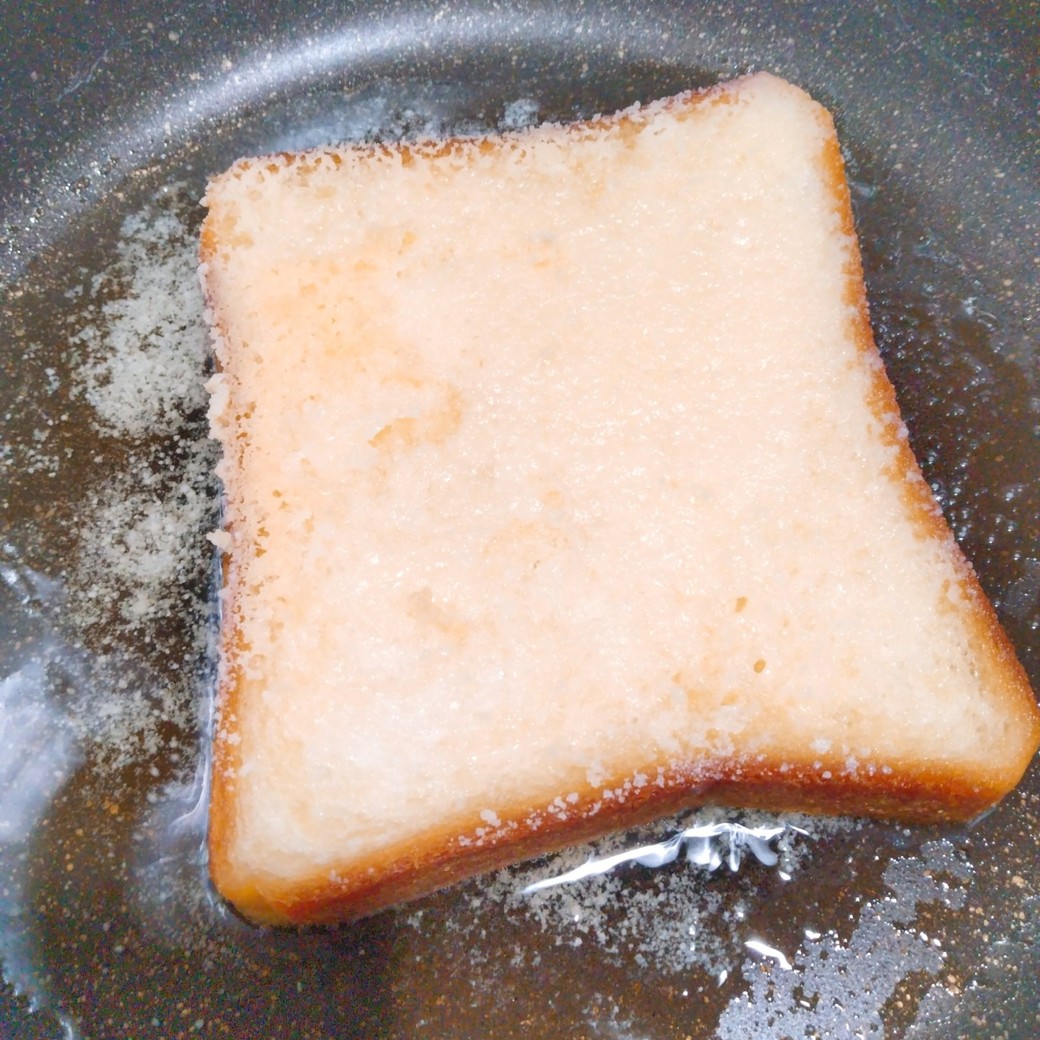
<point x="565" y="488"/>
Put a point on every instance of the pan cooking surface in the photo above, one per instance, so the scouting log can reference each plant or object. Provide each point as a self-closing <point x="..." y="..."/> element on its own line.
<point x="107" y="925"/>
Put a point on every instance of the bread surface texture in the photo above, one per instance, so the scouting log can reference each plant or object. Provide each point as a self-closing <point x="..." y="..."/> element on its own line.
<point x="565" y="488"/>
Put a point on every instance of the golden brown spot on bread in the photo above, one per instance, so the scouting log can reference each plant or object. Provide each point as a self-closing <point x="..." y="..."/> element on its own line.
<point x="434" y="426"/>
<point x="401" y="433"/>
<point x="442" y="422"/>
<point x="628" y="131"/>
<point x="223" y="232"/>
<point x="207" y="240"/>
<point x="437" y="614"/>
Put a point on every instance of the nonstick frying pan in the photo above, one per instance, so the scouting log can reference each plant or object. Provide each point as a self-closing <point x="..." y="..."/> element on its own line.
<point x="113" y="116"/>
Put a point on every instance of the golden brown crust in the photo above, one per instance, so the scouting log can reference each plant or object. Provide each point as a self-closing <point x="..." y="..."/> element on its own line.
<point x="991" y="646"/>
<point x="414" y="868"/>
<point x="225" y="756"/>
<point x="226" y="761"/>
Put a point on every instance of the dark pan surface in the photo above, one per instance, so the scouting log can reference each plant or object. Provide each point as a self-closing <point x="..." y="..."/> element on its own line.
<point x="112" y="117"/>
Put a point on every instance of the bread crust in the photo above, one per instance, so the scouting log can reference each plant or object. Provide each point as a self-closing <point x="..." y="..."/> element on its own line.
<point x="990" y="642"/>
<point x="413" y="868"/>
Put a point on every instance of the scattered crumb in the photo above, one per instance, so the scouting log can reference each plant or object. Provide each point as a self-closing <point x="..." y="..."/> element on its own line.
<point x="669" y="919"/>
<point x="519" y="114"/>
<point x="145" y="344"/>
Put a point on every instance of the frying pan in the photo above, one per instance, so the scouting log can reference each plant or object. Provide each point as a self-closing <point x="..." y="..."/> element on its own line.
<point x="113" y="117"/>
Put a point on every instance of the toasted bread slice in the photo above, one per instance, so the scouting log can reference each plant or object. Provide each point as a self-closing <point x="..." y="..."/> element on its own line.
<point x="565" y="488"/>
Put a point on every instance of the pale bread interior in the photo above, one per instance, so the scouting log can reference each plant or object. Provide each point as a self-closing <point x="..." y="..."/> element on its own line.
<point x="557" y="465"/>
